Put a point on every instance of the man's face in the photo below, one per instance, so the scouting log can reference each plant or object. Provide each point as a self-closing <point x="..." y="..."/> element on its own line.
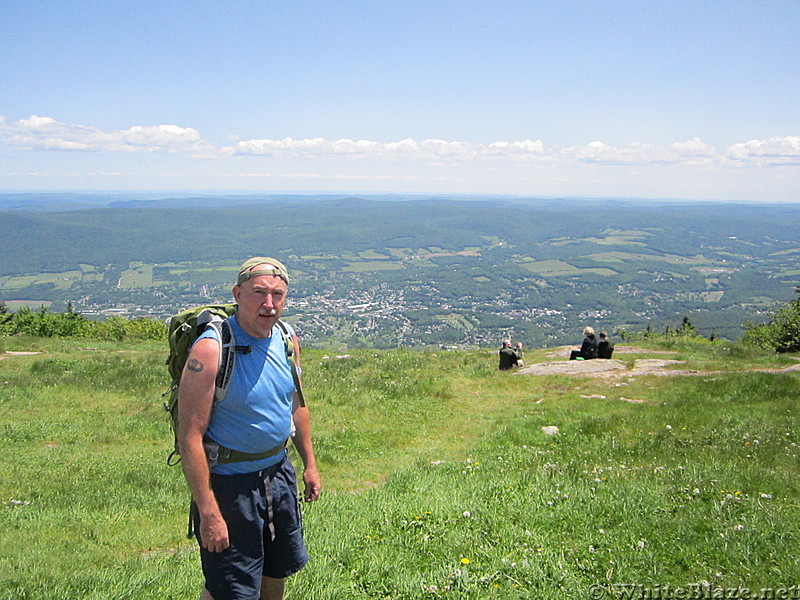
<point x="261" y="300"/>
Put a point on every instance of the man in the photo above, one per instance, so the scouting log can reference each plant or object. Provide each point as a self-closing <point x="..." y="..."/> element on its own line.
<point x="508" y="358"/>
<point x="247" y="517"/>
<point x="605" y="347"/>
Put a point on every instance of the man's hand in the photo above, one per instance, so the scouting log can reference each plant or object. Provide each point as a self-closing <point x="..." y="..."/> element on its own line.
<point x="313" y="484"/>
<point x="214" y="532"/>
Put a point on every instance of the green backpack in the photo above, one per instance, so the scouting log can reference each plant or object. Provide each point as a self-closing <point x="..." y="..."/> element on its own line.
<point x="184" y="329"/>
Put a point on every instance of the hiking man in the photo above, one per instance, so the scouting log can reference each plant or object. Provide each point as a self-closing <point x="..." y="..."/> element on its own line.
<point x="247" y="516"/>
<point x="508" y="358"/>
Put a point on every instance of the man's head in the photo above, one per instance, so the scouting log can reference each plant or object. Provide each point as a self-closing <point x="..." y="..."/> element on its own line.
<point x="506" y="342"/>
<point x="260" y="291"/>
<point x="603" y="335"/>
<point x="266" y="266"/>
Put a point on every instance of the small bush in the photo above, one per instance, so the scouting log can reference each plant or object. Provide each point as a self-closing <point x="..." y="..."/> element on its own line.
<point x="780" y="334"/>
<point x="70" y="324"/>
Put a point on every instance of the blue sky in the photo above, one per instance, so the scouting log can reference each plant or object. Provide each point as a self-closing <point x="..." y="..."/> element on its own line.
<point x="679" y="99"/>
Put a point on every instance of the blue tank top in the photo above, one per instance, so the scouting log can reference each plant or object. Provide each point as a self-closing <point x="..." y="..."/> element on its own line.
<point x="255" y="415"/>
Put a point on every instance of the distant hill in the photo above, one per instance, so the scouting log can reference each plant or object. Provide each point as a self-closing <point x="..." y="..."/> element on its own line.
<point x="411" y="270"/>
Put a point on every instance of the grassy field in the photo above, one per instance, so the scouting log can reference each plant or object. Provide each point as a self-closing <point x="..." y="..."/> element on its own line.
<point x="439" y="480"/>
<point x="560" y="268"/>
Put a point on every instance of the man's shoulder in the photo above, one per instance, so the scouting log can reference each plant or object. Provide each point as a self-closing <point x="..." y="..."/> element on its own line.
<point x="211" y="332"/>
<point x="284" y="328"/>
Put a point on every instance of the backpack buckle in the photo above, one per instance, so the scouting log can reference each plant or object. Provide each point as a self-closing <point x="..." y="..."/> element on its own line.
<point x="212" y="453"/>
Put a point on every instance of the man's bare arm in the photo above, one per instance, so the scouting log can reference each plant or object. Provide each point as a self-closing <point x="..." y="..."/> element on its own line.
<point x="195" y="400"/>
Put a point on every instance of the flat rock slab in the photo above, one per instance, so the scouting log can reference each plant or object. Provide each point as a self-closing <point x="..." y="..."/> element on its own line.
<point x="574" y="367"/>
<point x="610" y="367"/>
<point x="613" y="368"/>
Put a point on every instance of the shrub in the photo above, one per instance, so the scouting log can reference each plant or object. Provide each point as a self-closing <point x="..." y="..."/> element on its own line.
<point x="43" y="323"/>
<point x="687" y="331"/>
<point x="780" y="334"/>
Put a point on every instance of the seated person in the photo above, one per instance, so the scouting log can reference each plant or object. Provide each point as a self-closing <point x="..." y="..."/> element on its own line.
<point x="518" y="352"/>
<point x="605" y="348"/>
<point x="588" y="348"/>
<point x="508" y="358"/>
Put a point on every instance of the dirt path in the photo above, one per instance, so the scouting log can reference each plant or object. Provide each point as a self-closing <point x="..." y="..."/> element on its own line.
<point x="8" y="353"/>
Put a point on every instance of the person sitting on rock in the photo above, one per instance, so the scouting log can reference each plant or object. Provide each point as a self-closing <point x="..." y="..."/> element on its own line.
<point x="508" y="358"/>
<point x="518" y="352"/>
<point x="588" y="349"/>
<point x="605" y="347"/>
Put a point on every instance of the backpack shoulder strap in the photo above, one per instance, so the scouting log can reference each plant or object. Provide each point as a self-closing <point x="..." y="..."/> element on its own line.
<point x="227" y="358"/>
<point x="288" y="343"/>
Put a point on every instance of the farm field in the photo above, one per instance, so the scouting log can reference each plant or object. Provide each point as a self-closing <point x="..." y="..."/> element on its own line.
<point x="443" y="477"/>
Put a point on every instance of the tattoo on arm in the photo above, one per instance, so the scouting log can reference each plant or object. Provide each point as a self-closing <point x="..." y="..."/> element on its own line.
<point x="194" y="365"/>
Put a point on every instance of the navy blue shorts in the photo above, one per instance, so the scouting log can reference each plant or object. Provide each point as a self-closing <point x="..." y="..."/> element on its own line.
<point x="265" y="531"/>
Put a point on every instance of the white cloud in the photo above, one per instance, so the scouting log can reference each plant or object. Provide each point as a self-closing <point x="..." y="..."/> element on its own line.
<point x="690" y="153"/>
<point x="45" y="133"/>
<point x="693" y="147"/>
<point x="316" y="147"/>
<point x="772" y="152"/>
<point x="403" y="149"/>
<point x="161" y="136"/>
<point x="521" y="150"/>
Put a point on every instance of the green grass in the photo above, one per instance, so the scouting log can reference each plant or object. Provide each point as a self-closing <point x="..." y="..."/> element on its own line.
<point x="439" y="482"/>
<point x="138" y="277"/>
<point x="62" y="280"/>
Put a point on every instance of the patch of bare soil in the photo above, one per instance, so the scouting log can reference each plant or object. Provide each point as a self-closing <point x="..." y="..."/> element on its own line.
<point x="8" y="353"/>
<point x="784" y="370"/>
